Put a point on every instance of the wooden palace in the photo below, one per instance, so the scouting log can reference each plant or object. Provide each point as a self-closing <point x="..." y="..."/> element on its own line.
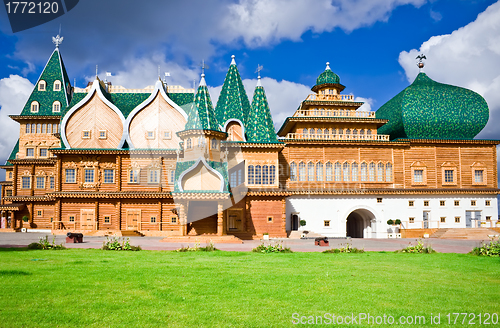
<point x="163" y="161"/>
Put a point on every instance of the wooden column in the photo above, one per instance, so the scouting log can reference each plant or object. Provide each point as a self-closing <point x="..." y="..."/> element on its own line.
<point x="13" y="219"/>
<point x="119" y="172"/>
<point x="58" y="174"/>
<point x="96" y="214"/>
<point x="119" y="214"/>
<point x="220" y="220"/>
<point x="33" y="180"/>
<point x="160" y="214"/>
<point x="283" y="215"/>
<point x="14" y="181"/>
<point x="182" y="220"/>
<point x="2" y="201"/>
<point x="248" y="214"/>
<point x="58" y="214"/>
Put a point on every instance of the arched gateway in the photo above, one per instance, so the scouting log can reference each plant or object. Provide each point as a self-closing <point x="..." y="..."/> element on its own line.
<point x="358" y="224"/>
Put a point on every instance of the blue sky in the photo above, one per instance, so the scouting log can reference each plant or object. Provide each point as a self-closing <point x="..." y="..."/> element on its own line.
<point x="370" y="44"/>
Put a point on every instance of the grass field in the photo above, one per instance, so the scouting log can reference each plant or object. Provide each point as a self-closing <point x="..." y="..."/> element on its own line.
<point x="95" y="288"/>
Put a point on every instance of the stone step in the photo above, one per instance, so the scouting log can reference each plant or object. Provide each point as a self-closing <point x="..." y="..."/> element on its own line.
<point x="469" y="233"/>
<point x="204" y="239"/>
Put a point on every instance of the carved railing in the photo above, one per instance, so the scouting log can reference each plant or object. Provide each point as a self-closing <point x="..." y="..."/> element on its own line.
<point x="372" y="137"/>
<point x="321" y="112"/>
<point x="330" y="97"/>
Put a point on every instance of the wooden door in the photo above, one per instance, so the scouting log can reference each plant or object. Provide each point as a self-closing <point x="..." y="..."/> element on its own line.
<point x="234" y="222"/>
<point x="87" y="219"/>
<point x="133" y="218"/>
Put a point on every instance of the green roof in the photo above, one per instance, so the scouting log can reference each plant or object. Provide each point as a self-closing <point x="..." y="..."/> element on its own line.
<point x="431" y="110"/>
<point x="54" y="70"/>
<point x="13" y="153"/>
<point x="201" y="116"/>
<point x="328" y="77"/>
<point x="260" y="126"/>
<point x="233" y="100"/>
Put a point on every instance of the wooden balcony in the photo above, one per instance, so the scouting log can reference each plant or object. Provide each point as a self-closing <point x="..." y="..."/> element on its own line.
<point x="321" y="97"/>
<point x="322" y="112"/>
<point x="333" y="137"/>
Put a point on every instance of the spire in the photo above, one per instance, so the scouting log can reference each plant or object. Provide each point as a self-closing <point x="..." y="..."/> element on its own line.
<point x="52" y="86"/>
<point x="327" y="66"/>
<point x="233" y="62"/>
<point x="260" y="126"/>
<point x="233" y="101"/>
<point x="259" y="68"/>
<point x="202" y="116"/>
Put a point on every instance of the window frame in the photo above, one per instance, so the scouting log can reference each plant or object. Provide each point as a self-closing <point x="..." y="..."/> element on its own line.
<point x="106" y="176"/>
<point x="66" y="176"/>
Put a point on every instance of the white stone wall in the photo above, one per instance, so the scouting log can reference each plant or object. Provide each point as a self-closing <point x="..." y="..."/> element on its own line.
<point x="316" y="209"/>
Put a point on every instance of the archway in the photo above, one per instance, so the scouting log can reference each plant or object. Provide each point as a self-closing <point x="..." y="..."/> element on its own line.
<point x="358" y="224"/>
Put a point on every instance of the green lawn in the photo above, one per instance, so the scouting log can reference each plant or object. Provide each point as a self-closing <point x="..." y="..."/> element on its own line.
<point x="95" y="288"/>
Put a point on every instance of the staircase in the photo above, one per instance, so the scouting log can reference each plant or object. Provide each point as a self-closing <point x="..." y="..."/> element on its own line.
<point x="131" y="233"/>
<point x="465" y="233"/>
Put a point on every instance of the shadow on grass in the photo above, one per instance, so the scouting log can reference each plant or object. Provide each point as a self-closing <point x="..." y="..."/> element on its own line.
<point x="14" y="273"/>
<point x="12" y="248"/>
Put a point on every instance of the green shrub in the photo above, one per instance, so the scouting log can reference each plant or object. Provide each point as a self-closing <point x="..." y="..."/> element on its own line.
<point x="346" y="249"/>
<point x="44" y="243"/>
<point x="302" y="223"/>
<point x="271" y="248"/>
<point x="119" y="244"/>
<point x="419" y="248"/>
<point x="25" y="218"/>
<point x="398" y="221"/>
<point x="196" y="248"/>
<point x="492" y="249"/>
<point x="390" y="222"/>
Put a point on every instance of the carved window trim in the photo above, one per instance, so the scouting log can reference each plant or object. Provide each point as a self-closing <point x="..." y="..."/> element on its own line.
<point x="476" y="167"/>
<point x="418" y="166"/>
<point x="42" y="85"/>
<point x="445" y="168"/>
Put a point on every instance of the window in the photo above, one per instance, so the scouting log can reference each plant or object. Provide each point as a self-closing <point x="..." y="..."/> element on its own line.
<point x="457" y="203"/>
<point x="214" y="144"/>
<point x="42" y="85"/>
<point x="71" y="218"/>
<point x="55" y="128"/>
<point x="354" y="171"/>
<point x="30" y="152"/>
<point x="448" y="176"/>
<point x="310" y="171"/>
<point x="478" y="176"/>
<point x="56" y="107"/>
<point x="52" y="182"/>
<point x="10" y="177"/>
<point x="442" y="203"/>
<point x="293" y="171"/>
<point x="311" y="131"/>
<point x="418" y="176"/>
<point x="35" y="106"/>
<point x="443" y="219"/>
<point x="70" y="176"/>
<point x="28" y="130"/>
<point x="486" y="202"/>
<point x="305" y="132"/>
<point x="44" y="128"/>
<point x="269" y="219"/>
<point x="411" y="220"/>
<point x="167" y="135"/>
<point x="150" y="135"/>
<point x="346" y="170"/>
<point x="371" y="171"/>
<point x="43" y="152"/>
<point x="103" y="134"/>
<point x="329" y="172"/>
<point x="258" y="174"/>
<point x="173" y="219"/>
<point x="388" y="172"/>
<point x="89" y="176"/>
<point x="8" y="192"/>
<point x="109" y="176"/>
<point x="171" y="177"/>
<point x="153" y="219"/>
<point x="319" y="171"/>
<point x="251" y="174"/>
<point x="154" y="176"/>
<point x="379" y="200"/>
<point x="133" y="176"/>
<point x="488" y="218"/>
<point x="38" y="128"/>
<point x="457" y="219"/>
<point x="472" y="203"/>
<point x="49" y="128"/>
<point x="39" y="213"/>
<point x="411" y="203"/>
<point x="265" y="175"/>
<point x="86" y="134"/>
<point x="380" y="172"/>
<point x="107" y="219"/>
<point x="40" y="183"/>
<point x="364" y="169"/>
<point x="302" y="171"/>
<point x="57" y="85"/>
<point x="326" y="223"/>
<point x="26" y="182"/>
<point x="338" y="171"/>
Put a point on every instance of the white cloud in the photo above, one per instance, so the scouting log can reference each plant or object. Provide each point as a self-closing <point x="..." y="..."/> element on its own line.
<point x="14" y="92"/>
<point x="264" y="22"/>
<point x="469" y="58"/>
<point x="367" y="106"/>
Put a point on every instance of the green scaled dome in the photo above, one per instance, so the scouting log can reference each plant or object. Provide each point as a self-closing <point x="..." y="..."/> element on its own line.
<point x="431" y="110"/>
<point x="328" y="78"/>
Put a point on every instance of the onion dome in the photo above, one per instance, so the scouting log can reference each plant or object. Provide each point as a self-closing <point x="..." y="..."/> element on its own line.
<point x="326" y="79"/>
<point x="432" y="110"/>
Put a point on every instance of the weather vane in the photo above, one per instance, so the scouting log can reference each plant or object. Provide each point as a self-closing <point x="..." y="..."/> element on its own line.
<point x="57" y="40"/>
<point x="259" y="68"/>
<point x="203" y="67"/>
<point x="420" y="63"/>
